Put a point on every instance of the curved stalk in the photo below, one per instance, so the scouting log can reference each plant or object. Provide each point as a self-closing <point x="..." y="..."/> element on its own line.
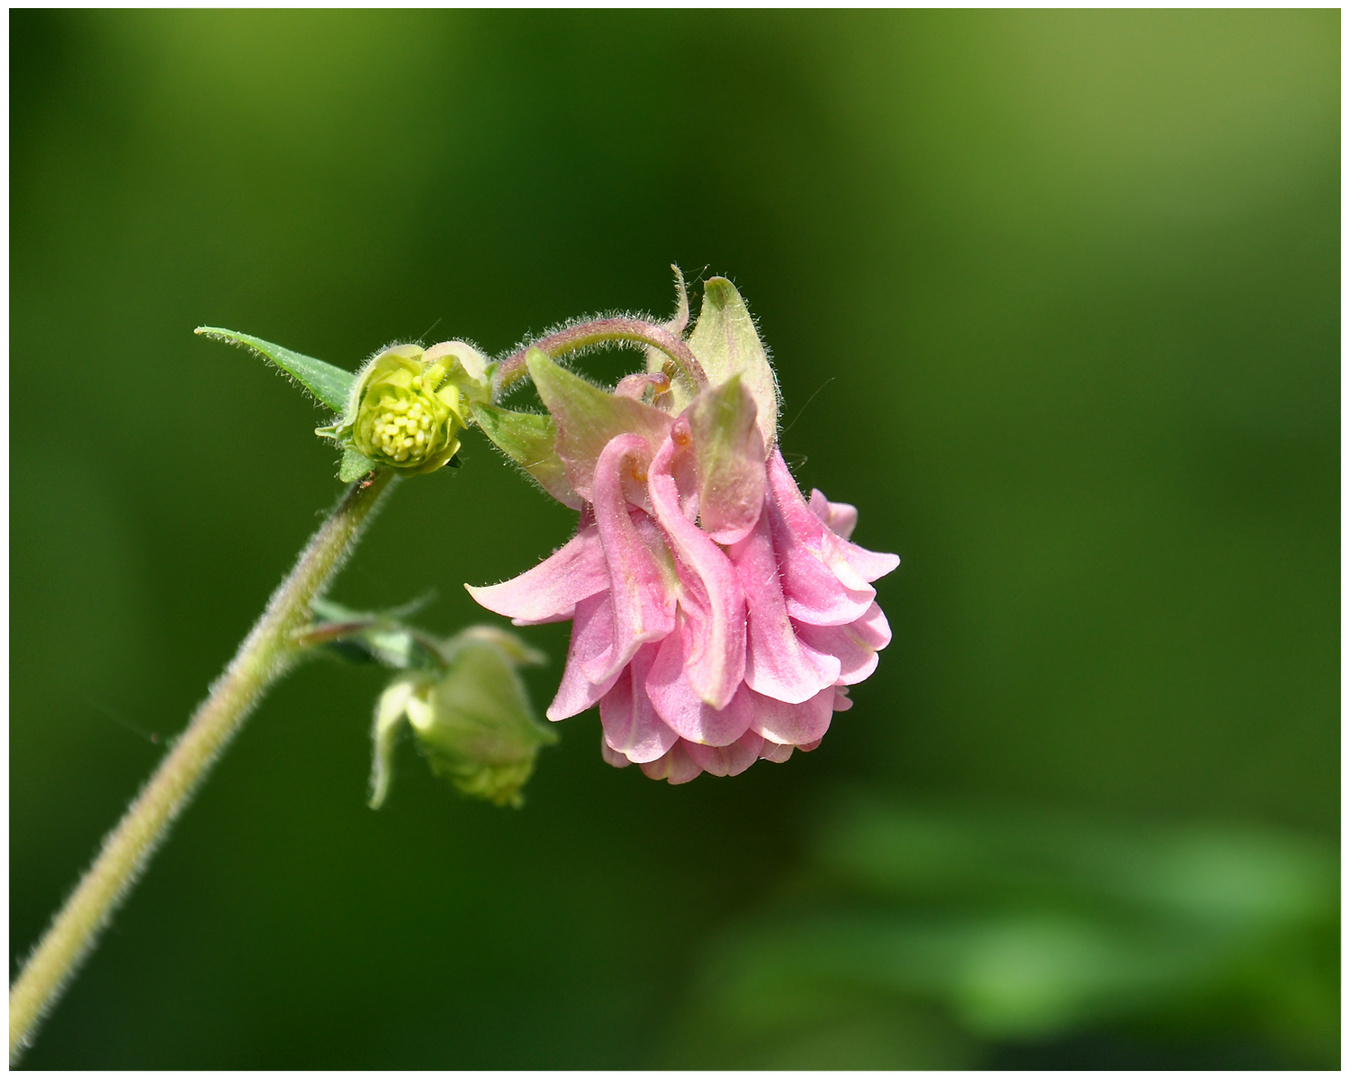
<point x="597" y="332"/>
<point x="266" y="654"/>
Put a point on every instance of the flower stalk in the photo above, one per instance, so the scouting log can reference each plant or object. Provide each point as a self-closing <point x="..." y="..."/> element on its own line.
<point x="268" y="652"/>
<point x="598" y="332"/>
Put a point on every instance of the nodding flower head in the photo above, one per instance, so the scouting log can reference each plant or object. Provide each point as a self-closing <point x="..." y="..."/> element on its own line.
<point x="718" y="616"/>
<point x="407" y="406"/>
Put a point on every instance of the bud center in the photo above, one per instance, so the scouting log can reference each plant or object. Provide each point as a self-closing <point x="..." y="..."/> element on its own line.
<point x="401" y="429"/>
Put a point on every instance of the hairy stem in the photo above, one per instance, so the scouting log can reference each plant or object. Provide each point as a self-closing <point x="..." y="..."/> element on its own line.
<point x="265" y="655"/>
<point x="597" y="332"/>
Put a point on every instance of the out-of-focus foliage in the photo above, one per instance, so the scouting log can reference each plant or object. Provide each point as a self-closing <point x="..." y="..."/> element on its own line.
<point x="929" y="936"/>
<point x="1053" y="298"/>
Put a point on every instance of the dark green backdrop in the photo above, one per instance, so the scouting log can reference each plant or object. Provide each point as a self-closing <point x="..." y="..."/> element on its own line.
<point x="1053" y="299"/>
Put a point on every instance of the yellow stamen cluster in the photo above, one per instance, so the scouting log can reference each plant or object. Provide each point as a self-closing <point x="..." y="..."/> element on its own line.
<point x="402" y="429"/>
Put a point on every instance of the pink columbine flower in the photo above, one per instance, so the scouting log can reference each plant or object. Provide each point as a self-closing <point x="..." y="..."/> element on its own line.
<point x="718" y="616"/>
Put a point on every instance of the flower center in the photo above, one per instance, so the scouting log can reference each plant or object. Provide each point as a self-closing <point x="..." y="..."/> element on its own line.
<point x="402" y="429"/>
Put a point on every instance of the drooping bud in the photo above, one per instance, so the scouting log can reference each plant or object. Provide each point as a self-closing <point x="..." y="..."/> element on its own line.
<point x="407" y="407"/>
<point x="472" y="720"/>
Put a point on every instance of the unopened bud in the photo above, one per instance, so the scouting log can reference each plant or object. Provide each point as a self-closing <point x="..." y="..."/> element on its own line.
<point x="473" y="721"/>
<point x="407" y="407"/>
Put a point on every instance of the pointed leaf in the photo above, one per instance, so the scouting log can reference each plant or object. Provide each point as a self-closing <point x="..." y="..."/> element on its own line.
<point x="330" y="385"/>
<point x="588" y="417"/>
<point x="726" y="344"/>
<point x="530" y="440"/>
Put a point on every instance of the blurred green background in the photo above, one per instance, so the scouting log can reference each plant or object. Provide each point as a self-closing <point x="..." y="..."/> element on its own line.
<point x="1054" y="299"/>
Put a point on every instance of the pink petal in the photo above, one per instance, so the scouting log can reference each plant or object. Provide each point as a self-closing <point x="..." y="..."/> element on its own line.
<point x="797" y="725"/>
<point x="855" y="645"/>
<point x="613" y="757"/>
<point x="842" y="702"/>
<point x="775" y="663"/>
<point x="550" y="591"/>
<point x="715" y="660"/>
<point x="819" y="584"/>
<point x="592" y="637"/>
<point x="643" y="602"/>
<point x="811" y="589"/>
<point x="632" y="728"/>
<point x="677" y="766"/>
<point x="840" y="518"/>
<point x="728" y="760"/>
<point x="868" y="565"/>
<point x="775" y="752"/>
<point x="677" y="703"/>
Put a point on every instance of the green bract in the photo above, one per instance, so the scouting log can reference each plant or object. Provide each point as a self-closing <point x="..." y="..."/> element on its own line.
<point x="407" y="408"/>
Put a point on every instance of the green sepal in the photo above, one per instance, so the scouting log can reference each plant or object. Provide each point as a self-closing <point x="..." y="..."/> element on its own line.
<point x="354" y="465"/>
<point x="588" y="417"/>
<point x="730" y="455"/>
<point x="329" y="385"/>
<point x="726" y="343"/>
<point x="530" y="440"/>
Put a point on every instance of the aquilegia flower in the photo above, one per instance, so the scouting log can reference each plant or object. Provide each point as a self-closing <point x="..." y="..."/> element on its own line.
<point x="718" y="616"/>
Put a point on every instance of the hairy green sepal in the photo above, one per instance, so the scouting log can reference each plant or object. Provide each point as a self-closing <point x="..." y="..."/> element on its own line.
<point x="588" y="417"/>
<point x="726" y="343"/>
<point x="530" y="440"/>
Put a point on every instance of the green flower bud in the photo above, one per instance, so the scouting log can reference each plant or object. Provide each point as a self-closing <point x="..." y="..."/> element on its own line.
<point x="407" y="405"/>
<point x="473" y="721"/>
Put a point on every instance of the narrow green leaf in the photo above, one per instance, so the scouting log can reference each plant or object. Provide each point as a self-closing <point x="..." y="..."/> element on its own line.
<point x="330" y="385"/>
<point x="530" y="440"/>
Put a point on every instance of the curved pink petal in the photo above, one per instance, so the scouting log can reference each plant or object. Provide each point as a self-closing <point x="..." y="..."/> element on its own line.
<point x="810" y="558"/>
<point x="550" y="591"/>
<point x="632" y="727"/>
<point x="775" y="752"/>
<point x="679" y="705"/>
<point x="868" y="565"/>
<point x="613" y="757"/>
<point x="855" y="645"/>
<point x="715" y="659"/>
<point x="842" y="702"/>
<point x="592" y="637"/>
<point x="840" y="518"/>
<point x="728" y="760"/>
<point x="797" y="725"/>
<point x="676" y="766"/>
<point x="775" y="663"/>
<point x="643" y="602"/>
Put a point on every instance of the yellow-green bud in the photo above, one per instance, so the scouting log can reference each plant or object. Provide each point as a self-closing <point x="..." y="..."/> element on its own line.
<point x="473" y="720"/>
<point x="407" y="416"/>
<point x="407" y="406"/>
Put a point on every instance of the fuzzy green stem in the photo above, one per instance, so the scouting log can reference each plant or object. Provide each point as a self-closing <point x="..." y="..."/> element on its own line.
<point x="265" y="655"/>
<point x="598" y="332"/>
